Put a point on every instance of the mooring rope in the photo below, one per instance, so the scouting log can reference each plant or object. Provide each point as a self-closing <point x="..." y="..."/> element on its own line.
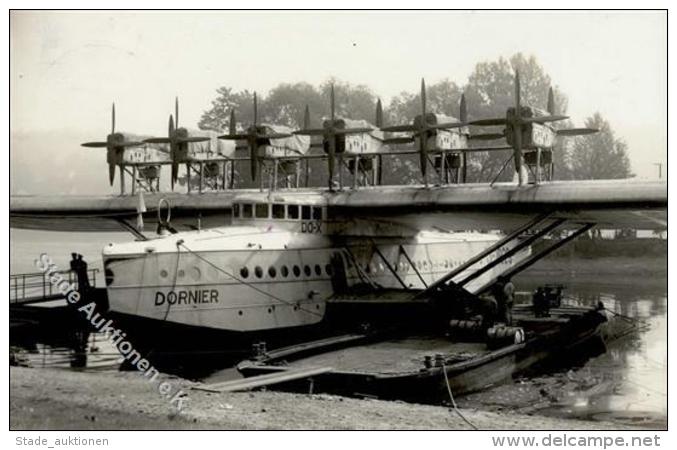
<point x="268" y="294"/>
<point x="176" y="277"/>
<point x="453" y="402"/>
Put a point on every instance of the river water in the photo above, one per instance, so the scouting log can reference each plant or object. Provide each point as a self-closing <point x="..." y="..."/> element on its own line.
<point x="626" y="384"/>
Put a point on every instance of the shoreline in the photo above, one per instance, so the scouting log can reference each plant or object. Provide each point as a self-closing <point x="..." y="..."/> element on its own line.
<point x="49" y="399"/>
<point x="615" y="270"/>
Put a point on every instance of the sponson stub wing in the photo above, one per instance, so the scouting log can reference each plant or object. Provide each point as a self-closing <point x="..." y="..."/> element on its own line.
<point x="375" y="210"/>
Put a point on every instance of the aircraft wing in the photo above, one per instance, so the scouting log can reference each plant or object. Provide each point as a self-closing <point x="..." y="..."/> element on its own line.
<point x="109" y="213"/>
<point x="374" y="211"/>
<point x="607" y="203"/>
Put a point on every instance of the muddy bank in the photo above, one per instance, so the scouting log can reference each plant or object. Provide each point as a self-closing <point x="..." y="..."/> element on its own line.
<point x="62" y="399"/>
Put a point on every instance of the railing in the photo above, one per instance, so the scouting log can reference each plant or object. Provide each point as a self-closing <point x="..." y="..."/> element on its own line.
<point x="37" y="287"/>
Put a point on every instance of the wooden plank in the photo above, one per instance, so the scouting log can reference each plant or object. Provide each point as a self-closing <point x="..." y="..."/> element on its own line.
<point x="263" y="380"/>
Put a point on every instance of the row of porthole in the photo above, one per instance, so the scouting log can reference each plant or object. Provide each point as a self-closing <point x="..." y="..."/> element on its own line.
<point x="404" y="267"/>
<point x="285" y="272"/>
<point x="308" y="271"/>
<point x="272" y="308"/>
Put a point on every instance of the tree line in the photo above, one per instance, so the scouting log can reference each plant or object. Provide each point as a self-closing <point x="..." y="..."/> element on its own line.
<point x="489" y="92"/>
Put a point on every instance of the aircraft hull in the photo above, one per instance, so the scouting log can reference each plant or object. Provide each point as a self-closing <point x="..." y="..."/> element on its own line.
<point x="249" y="280"/>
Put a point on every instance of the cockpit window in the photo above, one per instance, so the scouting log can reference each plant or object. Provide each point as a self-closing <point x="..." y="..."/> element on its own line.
<point x="317" y="213"/>
<point x="262" y="210"/>
<point x="293" y="212"/>
<point x="305" y="212"/>
<point x="278" y="211"/>
<point x="236" y="210"/>
<point x="247" y="211"/>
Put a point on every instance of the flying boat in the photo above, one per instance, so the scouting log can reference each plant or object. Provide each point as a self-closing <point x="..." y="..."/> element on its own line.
<point x="236" y="266"/>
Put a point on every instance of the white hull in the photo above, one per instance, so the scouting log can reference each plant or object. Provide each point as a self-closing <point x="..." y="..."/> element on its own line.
<point x="248" y="279"/>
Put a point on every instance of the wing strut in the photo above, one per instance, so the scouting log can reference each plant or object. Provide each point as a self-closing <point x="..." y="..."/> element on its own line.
<point x="528" y="262"/>
<point x="488" y="251"/>
<point x="411" y="263"/>
<point x="389" y="266"/>
<point x="520" y="246"/>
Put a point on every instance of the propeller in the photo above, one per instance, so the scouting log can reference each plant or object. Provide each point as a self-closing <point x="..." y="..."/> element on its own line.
<point x="420" y="128"/>
<point x="379" y="114"/>
<point x="115" y="143"/>
<point x="255" y="135"/>
<point x="486" y="136"/>
<point x="576" y="131"/>
<point x="517" y="128"/>
<point x="551" y="102"/>
<point x="569" y="131"/>
<point x="514" y="123"/>
<point x="330" y="130"/>
<point x="177" y="138"/>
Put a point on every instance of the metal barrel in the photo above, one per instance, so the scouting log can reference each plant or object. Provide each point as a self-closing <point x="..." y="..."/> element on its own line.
<point x="499" y="336"/>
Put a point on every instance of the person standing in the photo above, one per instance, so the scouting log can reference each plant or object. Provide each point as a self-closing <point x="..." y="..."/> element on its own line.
<point x="504" y="293"/>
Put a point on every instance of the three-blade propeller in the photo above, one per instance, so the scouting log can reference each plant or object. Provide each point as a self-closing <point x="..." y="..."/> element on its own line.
<point x="115" y="143"/>
<point x="255" y="135"/>
<point x="331" y="130"/>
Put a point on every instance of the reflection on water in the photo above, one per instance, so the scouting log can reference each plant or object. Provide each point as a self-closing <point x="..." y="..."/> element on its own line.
<point x="633" y="371"/>
<point x="627" y="384"/>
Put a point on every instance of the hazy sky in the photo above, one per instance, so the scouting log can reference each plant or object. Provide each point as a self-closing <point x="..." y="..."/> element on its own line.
<point x="67" y="67"/>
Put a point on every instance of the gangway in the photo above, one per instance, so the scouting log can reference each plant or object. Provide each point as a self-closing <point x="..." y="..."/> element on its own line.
<point x="38" y="287"/>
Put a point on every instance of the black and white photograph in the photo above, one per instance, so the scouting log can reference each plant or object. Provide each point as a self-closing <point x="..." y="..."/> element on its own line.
<point x="338" y="220"/>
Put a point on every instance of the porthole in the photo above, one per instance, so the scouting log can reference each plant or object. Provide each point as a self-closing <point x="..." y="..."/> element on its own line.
<point x="258" y="271"/>
<point x="284" y="270"/>
<point x="307" y="270"/>
<point x="272" y="272"/>
<point x="196" y="274"/>
<point x="318" y="270"/>
<point x="181" y="273"/>
<point x="163" y="273"/>
<point x="297" y="271"/>
<point x="270" y="310"/>
<point x="244" y="272"/>
<point x="329" y="270"/>
<point x="239" y="313"/>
